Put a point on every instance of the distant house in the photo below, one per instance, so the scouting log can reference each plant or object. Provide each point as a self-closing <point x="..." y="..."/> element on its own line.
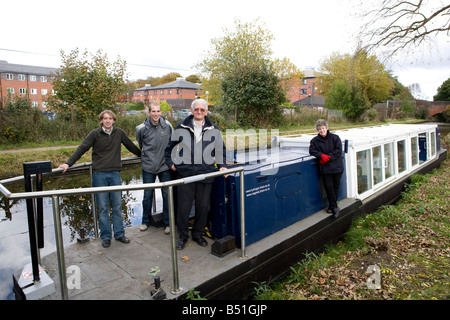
<point x="311" y="102"/>
<point x="32" y="82"/>
<point x="304" y="88"/>
<point x="179" y="93"/>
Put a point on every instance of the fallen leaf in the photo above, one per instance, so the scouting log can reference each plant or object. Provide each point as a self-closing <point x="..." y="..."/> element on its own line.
<point x="184" y="258"/>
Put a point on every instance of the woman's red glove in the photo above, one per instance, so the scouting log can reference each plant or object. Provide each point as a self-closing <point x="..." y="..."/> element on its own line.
<point x="324" y="158"/>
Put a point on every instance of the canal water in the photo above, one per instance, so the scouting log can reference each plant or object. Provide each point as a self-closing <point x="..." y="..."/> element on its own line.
<point x="75" y="214"/>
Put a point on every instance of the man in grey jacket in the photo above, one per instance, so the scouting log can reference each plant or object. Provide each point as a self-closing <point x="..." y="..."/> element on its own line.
<point x="153" y="136"/>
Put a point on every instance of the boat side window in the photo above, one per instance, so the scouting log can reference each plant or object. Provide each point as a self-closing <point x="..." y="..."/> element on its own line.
<point x="388" y="160"/>
<point x="364" y="170"/>
<point x="414" y="151"/>
<point x="377" y="165"/>
<point x="423" y="156"/>
<point x="401" y="155"/>
<point x="433" y="143"/>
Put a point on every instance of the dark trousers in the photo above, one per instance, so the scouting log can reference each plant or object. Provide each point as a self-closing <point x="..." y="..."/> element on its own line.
<point x="331" y="183"/>
<point x="187" y="193"/>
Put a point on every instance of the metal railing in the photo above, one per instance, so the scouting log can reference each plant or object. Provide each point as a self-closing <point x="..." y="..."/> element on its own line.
<point x="56" y="194"/>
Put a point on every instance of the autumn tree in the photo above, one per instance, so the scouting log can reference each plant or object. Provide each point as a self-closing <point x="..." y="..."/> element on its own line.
<point x="254" y="94"/>
<point x="249" y="45"/>
<point x="361" y="71"/>
<point x="86" y="84"/>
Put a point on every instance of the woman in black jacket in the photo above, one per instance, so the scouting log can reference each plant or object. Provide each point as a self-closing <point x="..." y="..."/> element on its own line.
<point x="327" y="148"/>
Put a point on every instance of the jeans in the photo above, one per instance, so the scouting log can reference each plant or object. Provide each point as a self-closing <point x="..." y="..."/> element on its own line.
<point x="103" y="199"/>
<point x="147" y="202"/>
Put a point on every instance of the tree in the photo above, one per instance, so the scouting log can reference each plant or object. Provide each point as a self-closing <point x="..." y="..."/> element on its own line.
<point x="87" y="86"/>
<point x="443" y="93"/>
<point x="351" y="100"/>
<point x="255" y="94"/>
<point x="339" y="96"/>
<point x="246" y="46"/>
<point x="359" y="70"/>
<point x="249" y="44"/>
<point x="243" y="51"/>
<point x="404" y="24"/>
<point x="170" y="77"/>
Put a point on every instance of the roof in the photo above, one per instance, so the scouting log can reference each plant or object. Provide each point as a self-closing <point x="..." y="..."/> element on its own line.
<point x="364" y="136"/>
<point x="180" y="83"/>
<point x="26" y="69"/>
<point x="318" y="101"/>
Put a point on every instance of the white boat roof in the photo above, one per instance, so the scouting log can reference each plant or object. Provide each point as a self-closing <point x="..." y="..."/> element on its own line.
<point x="364" y="135"/>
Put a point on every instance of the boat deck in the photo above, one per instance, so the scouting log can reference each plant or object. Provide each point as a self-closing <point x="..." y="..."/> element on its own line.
<point x="120" y="272"/>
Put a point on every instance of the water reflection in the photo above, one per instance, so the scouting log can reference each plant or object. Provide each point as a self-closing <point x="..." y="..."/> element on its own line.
<point x="76" y="213"/>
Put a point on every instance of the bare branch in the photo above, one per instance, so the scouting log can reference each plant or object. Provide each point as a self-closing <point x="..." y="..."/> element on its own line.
<point x="404" y="23"/>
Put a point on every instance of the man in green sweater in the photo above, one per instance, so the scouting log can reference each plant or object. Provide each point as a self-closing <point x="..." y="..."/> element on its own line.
<point x="106" y="147"/>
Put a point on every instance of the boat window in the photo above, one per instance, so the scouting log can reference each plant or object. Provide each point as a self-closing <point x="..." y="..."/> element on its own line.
<point x="414" y="151"/>
<point x="433" y="143"/>
<point x="364" y="171"/>
<point x="422" y="147"/>
<point x="388" y="160"/>
<point x="401" y="155"/>
<point x="377" y="163"/>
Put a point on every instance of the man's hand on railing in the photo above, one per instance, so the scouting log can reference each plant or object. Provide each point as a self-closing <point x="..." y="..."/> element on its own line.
<point x="64" y="166"/>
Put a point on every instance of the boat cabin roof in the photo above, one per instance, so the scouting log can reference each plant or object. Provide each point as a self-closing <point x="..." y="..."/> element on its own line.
<point x="364" y="136"/>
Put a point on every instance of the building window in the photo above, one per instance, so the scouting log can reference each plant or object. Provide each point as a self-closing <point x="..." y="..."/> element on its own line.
<point x="22" y="90"/>
<point x="9" y="76"/>
<point x="10" y="90"/>
<point x="32" y="78"/>
<point x="21" y="77"/>
<point x="43" y="79"/>
<point x="44" y="92"/>
<point x="34" y="104"/>
<point x="303" y="91"/>
<point x="33" y="91"/>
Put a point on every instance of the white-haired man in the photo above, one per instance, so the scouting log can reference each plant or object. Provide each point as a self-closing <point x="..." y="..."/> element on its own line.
<point x="196" y="147"/>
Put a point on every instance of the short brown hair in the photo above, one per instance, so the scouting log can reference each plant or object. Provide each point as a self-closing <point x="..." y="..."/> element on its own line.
<point x="102" y="114"/>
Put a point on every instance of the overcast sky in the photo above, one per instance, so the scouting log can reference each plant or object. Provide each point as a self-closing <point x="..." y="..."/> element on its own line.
<point x="171" y="36"/>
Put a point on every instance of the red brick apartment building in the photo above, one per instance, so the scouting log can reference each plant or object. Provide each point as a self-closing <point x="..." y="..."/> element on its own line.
<point x="305" y="87"/>
<point x="179" y="93"/>
<point x="26" y="81"/>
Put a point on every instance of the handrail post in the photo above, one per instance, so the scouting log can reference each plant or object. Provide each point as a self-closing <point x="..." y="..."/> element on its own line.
<point x="94" y="207"/>
<point x="176" y="283"/>
<point x="242" y="198"/>
<point x="60" y="249"/>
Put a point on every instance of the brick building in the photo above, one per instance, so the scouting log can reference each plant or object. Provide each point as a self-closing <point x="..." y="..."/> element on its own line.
<point x="26" y="81"/>
<point x="178" y="93"/>
<point x="305" y="87"/>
